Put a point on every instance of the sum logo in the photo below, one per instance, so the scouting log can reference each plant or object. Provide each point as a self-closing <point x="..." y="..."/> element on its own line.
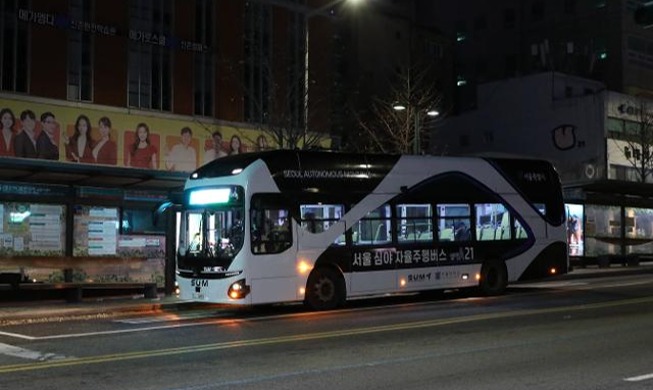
<point x="199" y="282"/>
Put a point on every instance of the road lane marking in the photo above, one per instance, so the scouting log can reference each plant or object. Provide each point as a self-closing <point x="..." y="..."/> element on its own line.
<point x="307" y="336"/>
<point x="121" y="331"/>
<point x="12" y="350"/>
<point x="17" y="336"/>
<point x="169" y="318"/>
<point x="639" y="378"/>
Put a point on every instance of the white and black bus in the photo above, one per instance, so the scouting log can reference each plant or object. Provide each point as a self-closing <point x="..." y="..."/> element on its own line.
<point x="320" y="227"/>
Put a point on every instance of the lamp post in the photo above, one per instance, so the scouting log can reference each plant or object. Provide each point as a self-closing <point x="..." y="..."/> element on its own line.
<point x="307" y="18"/>
<point x="416" y="111"/>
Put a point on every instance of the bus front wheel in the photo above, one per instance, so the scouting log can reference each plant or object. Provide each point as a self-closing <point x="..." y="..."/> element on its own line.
<point x="325" y="289"/>
<point x="494" y="278"/>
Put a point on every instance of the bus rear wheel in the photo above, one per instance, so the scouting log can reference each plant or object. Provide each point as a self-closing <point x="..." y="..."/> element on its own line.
<point x="325" y="289"/>
<point x="494" y="278"/>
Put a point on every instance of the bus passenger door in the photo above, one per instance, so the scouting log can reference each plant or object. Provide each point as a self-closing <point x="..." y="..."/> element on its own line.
<point x="273" y="248"/>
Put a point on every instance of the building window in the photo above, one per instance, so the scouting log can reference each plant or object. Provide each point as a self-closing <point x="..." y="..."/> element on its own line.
<point x="257" y="61"/>
<point x="204" y="61"/>
<point x="481" y="69"/>
<point x="537" y="11"/>
<point x="14" y="58"/>
<point x="511" y="65"/>
<point x="570" y="7"/>
<point x="80" y="54"/>
<point x="488" y="137"/>
<point x="480" y="23"/>
<point x="509" y="18"/>
<point x="150" y="81"/>
<point x="267" y="102"/>
<point x="295" y="59"/>
<point x="433" y="50"/>
<point x="461" y="31"/>
<point x="615" y="127"/>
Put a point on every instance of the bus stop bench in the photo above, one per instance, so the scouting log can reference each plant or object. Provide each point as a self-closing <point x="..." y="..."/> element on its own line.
<point x="74" y="292"/>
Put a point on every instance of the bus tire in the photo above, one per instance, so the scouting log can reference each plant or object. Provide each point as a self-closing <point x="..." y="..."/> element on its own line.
<point x="325" y="289"/>
<point x="494" y="278"/>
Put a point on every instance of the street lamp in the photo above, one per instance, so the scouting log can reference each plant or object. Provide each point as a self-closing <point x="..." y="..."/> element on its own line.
<point x="416" y="112"/>
<point x="307" y="17"/>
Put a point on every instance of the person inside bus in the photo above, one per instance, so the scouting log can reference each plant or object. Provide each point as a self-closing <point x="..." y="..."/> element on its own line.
<point x="235" y="234"/>
<point x="311" y="224"/>
<point x="279" y="238"/>
<point x="462" y="232"/>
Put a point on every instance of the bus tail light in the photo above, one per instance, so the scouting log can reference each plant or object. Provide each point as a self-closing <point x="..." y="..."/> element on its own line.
<point x="238" y="290"/>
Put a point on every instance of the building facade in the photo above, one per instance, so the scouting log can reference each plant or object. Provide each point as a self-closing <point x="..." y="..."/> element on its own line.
<point x="106" y="106"/>
<point x="599" y="141"/>
<point x="593" y="39"/>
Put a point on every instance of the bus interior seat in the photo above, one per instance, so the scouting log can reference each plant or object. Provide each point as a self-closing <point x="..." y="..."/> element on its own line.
<point x="446" y="234"/>
<point x="521" y="232"/>
<point x="381" y="235"/>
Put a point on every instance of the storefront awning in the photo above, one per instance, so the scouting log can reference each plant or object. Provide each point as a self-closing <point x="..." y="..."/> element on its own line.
<point x="87" y="175"/>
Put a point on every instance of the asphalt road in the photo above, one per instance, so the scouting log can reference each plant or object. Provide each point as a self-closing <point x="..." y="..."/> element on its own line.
<point x="579" y="334"/>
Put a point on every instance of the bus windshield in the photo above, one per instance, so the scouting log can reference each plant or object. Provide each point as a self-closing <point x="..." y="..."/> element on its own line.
<point x="213" y="233"/>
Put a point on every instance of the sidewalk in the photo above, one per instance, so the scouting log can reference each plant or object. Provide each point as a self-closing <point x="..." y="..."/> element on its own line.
<point x="58" y="310"/>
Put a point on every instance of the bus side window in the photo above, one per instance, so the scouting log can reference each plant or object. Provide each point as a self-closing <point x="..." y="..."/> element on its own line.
<point x="317" y="218"/>
<point x="492" y="222"/>
<point x="520" y="232"/>
<point x="373" y="228"/>
<point x="270" y="227"/>
<point x="414" y="223"/>
<point x="454" y="222"/>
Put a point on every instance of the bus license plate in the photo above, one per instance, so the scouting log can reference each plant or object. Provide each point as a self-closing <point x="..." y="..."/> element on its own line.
<point x="199" y="296"/>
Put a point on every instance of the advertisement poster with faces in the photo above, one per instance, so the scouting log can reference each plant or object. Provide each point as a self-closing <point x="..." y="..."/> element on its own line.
<point x="575" y="232"/>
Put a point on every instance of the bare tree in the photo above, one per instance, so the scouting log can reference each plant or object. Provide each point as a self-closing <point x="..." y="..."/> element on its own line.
<point x="283" y="117"/>
<point x="636" y="143"/>
<point x="388" y="130"/>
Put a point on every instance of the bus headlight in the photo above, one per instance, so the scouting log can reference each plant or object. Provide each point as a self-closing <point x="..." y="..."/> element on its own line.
<point x="238" y="289"/>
